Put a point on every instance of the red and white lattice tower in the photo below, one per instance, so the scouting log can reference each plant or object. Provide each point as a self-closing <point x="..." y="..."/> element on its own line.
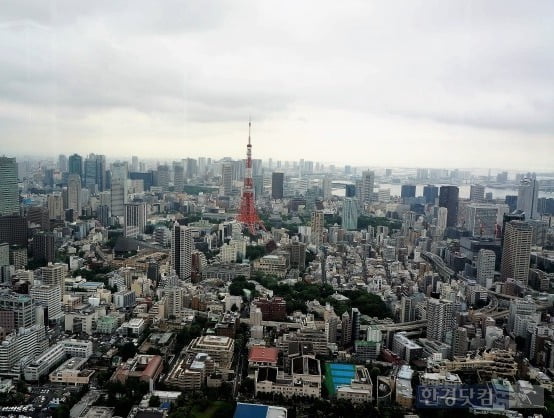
<point x="247" y="214"/>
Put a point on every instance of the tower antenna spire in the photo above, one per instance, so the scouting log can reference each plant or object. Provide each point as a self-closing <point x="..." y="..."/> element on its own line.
<point x="249" y="127"/>
<point x="247" y="214"/>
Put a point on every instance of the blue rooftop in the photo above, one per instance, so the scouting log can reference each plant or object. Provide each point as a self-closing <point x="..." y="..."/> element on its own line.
<point x="250" y="411"/>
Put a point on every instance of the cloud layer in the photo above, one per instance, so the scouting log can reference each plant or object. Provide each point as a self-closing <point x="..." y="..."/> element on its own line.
<point x="419" y="83"/>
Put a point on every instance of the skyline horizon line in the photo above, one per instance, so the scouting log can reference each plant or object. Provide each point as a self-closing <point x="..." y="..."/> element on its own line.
<point x="53" y="157"/>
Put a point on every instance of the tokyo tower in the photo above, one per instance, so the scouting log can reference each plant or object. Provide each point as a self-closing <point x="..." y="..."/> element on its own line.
<point x="247" y="215"/>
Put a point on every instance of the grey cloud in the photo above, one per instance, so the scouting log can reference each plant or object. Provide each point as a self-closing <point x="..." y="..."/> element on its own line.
<point x="482" y="65"/>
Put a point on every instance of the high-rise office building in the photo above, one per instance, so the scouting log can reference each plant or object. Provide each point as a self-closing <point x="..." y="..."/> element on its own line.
<point x="350" y="214"/>
<point x="367" y="184"/>
<point x="178" y="177"/>
<point x="43" y="247"/>
<point x="54" y="274"/>
<point x="511" y="201"/>
<point x="134" y="163"/>
<point x="486" y="260"/>
<point x="480" y="219"/>
<point x="50" y="297"/>
<point x="55" y="206"/>
<point x="62" y="163"/>
<point x="75" y="165"/>
<point x="226" y="179"/>
<point x="14" y="230"/>
<point x="298" y="255"/>
<point x="181" y="251"/>
<point x="318" y="222"/>
<point x="163" y="176"/>
<point x="407" y="191"/>
<point x="277" y="185"/>
<point x="9" y="193"/>
<point x="74" y="194"/>
<point x="440" y="319"/>
<point x="135" y="219"/>
<point x="448" y="198"/>
<point x="477" y="193"/>
<point x="349" y="190"/>
<point x="527" y="198"/>
<point x="326" y="187"/>
<point x="460" y="342"/>
<point x="516" y="252"/>
<point x="95" y="172"/>
<point x="355" y="321"/>
<point x="442" y="218"/>
<point x="430" y="193"/>
<point x="16" y="310"/>
<point x="38" y="215"/>
<point x="118" y="197"/>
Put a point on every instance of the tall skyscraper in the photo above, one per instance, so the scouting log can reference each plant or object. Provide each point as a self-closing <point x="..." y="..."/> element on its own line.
<point x="178" y="177"/>
<point x="318" y="223"/>
<point x="430" y="193"/>
<point x="448" y="198"/>
<point x="477" y="193"/>
<point x="350" y="214"/>
<point x="62" y="163"/>
<point x="516" y="252"/>
<point x="480" y="219"/>
<point x="460" y="342"/>
<point x="367" y="184"/>
<point x="76" y="165"/>
<point x="163" y="176"/>
<point x="277" y="185"/>
<point x="95" y="172"/>
<point x="9" y="194"/>
<point x="407" y="191"/>
<point x="54" y="274"/>
<point x="527" y="198"/>
<point x="440" y="319"/>
<point x="118" y="197"/>
<point x="349" y="190"/>
<point x="48" y="295"/>
<point x="134" y="163"/>
<point x="226" y="179"/>
<point x="181" y="251"/>
<point x="485" y="267"/>
<point x="326" y="187"/>
<point x="134" y="219"/>
<point x="74" y="194"/>
<point x="355" y="321"/>
<point x="43" y="247"/>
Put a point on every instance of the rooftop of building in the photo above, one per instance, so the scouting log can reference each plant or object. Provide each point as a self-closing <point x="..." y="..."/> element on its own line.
<point x="245" y="410"/>
<point x="263" y="354"/>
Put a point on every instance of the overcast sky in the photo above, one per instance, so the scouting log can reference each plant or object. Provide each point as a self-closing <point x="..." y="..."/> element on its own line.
<point x="389" y="83"/>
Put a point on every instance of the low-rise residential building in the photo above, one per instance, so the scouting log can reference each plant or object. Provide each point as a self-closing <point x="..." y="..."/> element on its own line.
<point x="190" y="371"/>
<point x="304" y="379"/>
<point x="71" y="373"/>
<point x="276" y="265"/>
<point x="404" y="395"/>
<point x="146" y="368"/>
<point x="360" y="388"/>
<point x="260" y="356"/>
<point x="219" y="348"/>
<point x="44" y="363"/>
<point x="134" y="326"/>
<point x="273" y="309"/>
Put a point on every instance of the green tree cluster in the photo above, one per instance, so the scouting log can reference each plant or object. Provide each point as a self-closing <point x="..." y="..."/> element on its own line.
<point x="239" y="284"/>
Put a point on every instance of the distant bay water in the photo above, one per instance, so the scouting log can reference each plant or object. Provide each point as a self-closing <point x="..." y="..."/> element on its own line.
<point x="464" y="190"/>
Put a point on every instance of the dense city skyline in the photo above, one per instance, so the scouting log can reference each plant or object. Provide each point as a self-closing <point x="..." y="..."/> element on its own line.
<point x="452" y="84"/>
